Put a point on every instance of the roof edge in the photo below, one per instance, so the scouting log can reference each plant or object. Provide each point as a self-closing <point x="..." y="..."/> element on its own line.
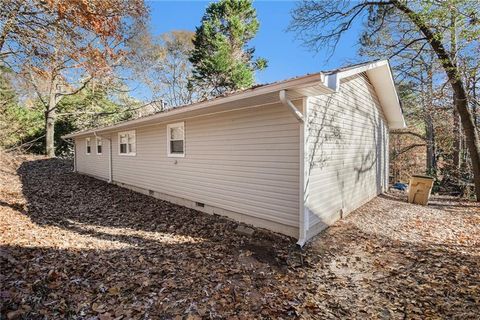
<point x="295" y="83"/>
<point x="378" y="71"/>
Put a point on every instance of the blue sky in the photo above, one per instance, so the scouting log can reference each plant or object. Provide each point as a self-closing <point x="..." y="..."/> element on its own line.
<point x="286" y="56"/>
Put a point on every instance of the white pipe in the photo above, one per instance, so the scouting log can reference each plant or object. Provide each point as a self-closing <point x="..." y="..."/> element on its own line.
<point x="284" y="100"/>
<point x="302" y="238"/>
<point x="303" y="218"/>
<point x="110" y="171"/>
<point x="300" y="118"/>
<point x="74" y="156"/>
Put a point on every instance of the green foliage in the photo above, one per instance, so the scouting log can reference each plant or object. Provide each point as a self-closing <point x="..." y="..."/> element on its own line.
<point x="17" y="123"/>
<point x="22" y="125"/>
<point x="90" y="108"/>
<point x="7" y="93"/>
<point x="221" y="60"/>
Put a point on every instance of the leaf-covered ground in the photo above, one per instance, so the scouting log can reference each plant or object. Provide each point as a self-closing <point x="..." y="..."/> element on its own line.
<point x="74" y="247"/>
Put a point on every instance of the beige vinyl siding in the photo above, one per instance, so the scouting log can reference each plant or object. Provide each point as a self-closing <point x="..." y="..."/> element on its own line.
<point x="91" y="164"/>
<point x="245" y="161"/>
<point x="346" y="153"/>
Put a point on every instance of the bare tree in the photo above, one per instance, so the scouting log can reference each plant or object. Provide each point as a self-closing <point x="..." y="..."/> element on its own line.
<point x="323" y="23"/>
<point x="60" y="46"/>
<point x="168" y="66"/>
<point x="416" y="69"/>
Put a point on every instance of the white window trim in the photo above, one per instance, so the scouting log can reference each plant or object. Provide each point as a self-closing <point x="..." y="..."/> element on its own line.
<point x="96" y="145"/>
<point x="173" y="125"/>
<point x="87" y="140"/>
<point x="134" y="141"/>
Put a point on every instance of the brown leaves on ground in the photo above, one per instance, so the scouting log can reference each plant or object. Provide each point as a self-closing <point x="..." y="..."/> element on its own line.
<point x="76" y="247"/>
<point x="394" y="260"/>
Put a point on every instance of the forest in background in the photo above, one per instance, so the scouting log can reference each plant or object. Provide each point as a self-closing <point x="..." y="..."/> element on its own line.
<point x="434" y="142"/>
<point x="67" y="66"/>
<point x="433" y="48"/>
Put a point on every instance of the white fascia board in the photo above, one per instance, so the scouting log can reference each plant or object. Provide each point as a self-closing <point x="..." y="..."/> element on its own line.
<point x="363" y="68"/>
<point x="382" y="80"/>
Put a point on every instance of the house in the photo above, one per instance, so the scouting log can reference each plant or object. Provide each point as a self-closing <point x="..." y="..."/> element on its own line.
<point x="293" y="156"/>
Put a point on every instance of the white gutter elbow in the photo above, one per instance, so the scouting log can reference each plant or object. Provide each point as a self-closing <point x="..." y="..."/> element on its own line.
<point x="301" y="242"/>
<point x="287" y="103"/>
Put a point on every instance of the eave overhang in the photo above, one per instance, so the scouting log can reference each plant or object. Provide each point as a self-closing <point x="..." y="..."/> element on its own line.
<point x="378" y="72"/>
<point x="297" y="88"/>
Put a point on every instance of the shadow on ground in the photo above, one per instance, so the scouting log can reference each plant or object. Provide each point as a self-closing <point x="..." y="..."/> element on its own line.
<point x="76" y="247"/>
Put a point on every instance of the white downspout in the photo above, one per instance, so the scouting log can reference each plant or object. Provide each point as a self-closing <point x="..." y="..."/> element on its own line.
<point x="303" y="218"/>
<point x="110" y="170"/>
<point x="74" y="156"/>
<point x="302" y="228"/>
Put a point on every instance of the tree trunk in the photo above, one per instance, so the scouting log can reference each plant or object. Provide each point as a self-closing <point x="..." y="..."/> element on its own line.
<point x="457" y="138"/>
<point x="457" y="130"/>
<point x="50" y="133"/>
<point x="50" y="114"/>
<point x="474" y="99"/>
<point x="431" y="150"/>
<point x="471" y="135"/>
<point x="461" y="102"/>
<point x="429" y="128"/>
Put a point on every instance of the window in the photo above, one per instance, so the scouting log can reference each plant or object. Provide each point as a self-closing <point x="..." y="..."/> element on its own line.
<point x="99" y="145"/>
<point x="127" y="143"/>
<point x="88" y="146"/>
<point x="176" y="139"/>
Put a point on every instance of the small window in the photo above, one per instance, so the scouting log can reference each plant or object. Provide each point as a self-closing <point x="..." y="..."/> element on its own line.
<point x="99" y="145"/>
<point x="88" y="144"/>
<point x="176" y="139"/>
<point x="127" y="143"/>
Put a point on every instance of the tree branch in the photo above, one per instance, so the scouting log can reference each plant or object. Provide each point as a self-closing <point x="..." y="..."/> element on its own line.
<point x="406" y="149"/>
<point x="409" y="133"/>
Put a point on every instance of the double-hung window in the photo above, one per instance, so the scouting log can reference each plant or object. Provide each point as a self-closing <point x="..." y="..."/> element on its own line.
<point x="88" y="145"/>
<point x="99" y="145"/>
<point x="127" y="143"/>
<point x="176" y="139"/>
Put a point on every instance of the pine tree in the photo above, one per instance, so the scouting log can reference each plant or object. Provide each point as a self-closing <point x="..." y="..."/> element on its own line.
<point x="221" y="60"/>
